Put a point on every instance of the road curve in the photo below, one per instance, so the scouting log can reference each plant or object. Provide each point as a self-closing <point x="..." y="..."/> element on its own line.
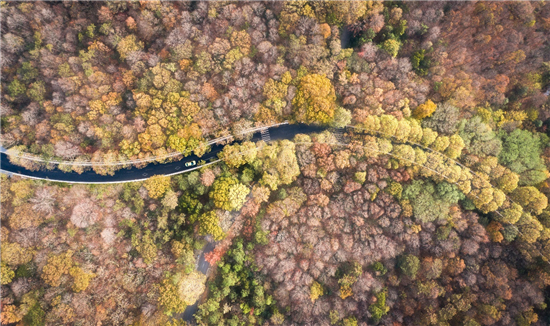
<point x="139" y="174"/>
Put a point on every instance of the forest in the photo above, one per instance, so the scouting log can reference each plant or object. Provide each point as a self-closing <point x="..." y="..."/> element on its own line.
<point x="423" y="202"/>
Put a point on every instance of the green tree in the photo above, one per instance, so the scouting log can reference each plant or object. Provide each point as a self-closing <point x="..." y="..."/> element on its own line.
<point x="189" y="204"/>
<point x="478" y="137"/>
<point x="16" y="88"/>
<point x="379" y="309"/>
<point x="427" y="204"/>
<point x="522" y="153"/>
<point x="391" y="46"/>
<point x="420" y="63"/>
<point x="409" y="265"/>
<point x="342" y="117"/>
<point x="145" y="245"/>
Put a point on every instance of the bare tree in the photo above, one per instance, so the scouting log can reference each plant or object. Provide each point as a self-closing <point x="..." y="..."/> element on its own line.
<point x="44" y="200"/>
<point x="84" y="214"/>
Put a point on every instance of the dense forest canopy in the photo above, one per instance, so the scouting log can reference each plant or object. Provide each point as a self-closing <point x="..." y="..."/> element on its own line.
<point x="430" y="208"/>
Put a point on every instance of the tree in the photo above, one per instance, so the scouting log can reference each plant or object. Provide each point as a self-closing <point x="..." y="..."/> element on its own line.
<point x="208" y="177"/>
<point x="7" y="274"/>
<point x="239" y="154"/>
<point x="456" y="145"/>
<point x="379" y="309"/>
<point x="21" y="190"/>
<point x="388" y="125"/>
<point x="315" y="100"/>
<point x="170" y="199"/>
<point x="191" y="287"/>
<point x="81" y="278"/>
<point x="508" y="181"/>
<point x="428" y="206"/>
<point x="521" y="152"/>
<point x="169" y="298"/>
<point x="409" y="265"/>
<point x="84" y="214"/>
<point x="510" y="215"/>
<point x="444" y="120"/>
<point x="227" y="193"/>
<point x="441" y="143"/>
<point x="478" y="137"/>
<point x="342" y="117"/>
<point x="210" y="224"/>
<point x="56" y="267"/>
<point x="405" y="154"/>
<point x="529" y="228"/>
<point x="403" y="130"/>
<point x="316" y="290"/>
<point x="531" y="199"/>
<point x="349" y="273"/>
<point x="428" y="136"/>
<point x="127" y="45"/>
<point x="157" y="185"/>
<point x="24" y="217"/>
<point x="424" y="110"/>
<point x="10" y="314"/>
<point x="391" y="46"/>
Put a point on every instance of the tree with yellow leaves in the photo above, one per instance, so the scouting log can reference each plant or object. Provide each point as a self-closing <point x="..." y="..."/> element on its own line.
<point x="81" y="278"/>
<point x="13" y="254"/>
<point x="169" y="298"/>
<point x="227" y="193"/>
<point x="239" y="154"/>
<point x="7" y="274"/>
<point x="315" y="291"/>
<point x="315" y="100"/>
<point x="157" y="185"/>
<point x="424" y="110"/>
<point x="531" y="199"/>
<point x="210" y="224"/>
<point x="56" y="267"/>
<point x="127" y="45"/>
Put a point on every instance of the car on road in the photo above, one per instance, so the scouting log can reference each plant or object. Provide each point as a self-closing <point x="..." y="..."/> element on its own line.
<point x="190" y="164"/>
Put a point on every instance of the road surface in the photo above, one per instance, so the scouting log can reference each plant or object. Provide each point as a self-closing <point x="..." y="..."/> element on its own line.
<point x="202" y="266"/>
<point x="138" y="174"/>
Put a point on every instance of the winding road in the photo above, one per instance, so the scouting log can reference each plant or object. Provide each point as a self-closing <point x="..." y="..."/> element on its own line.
<point x="139" y="174"/>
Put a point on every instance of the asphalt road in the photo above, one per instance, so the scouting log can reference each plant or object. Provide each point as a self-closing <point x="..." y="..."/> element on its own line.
<point x="202" y="266"/>
<point x="135" y="174"/>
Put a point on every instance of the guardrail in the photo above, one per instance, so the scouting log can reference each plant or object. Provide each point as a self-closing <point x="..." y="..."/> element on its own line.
<point x="16" y="154"/>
